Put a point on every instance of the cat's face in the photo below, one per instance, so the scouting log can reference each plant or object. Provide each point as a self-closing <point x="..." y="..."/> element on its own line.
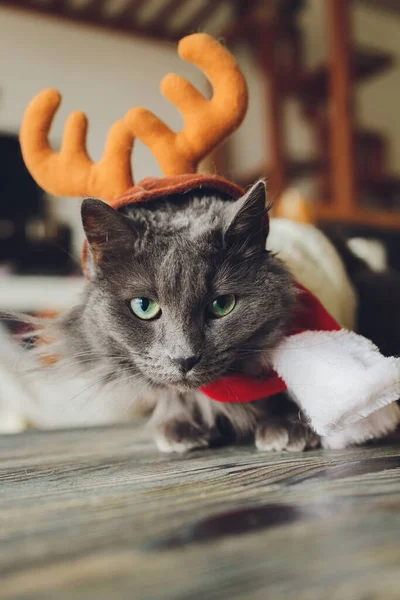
<point x="184" y="292"/>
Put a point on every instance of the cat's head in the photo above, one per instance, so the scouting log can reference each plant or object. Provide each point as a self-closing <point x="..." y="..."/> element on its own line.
<point x="183" y="288"/>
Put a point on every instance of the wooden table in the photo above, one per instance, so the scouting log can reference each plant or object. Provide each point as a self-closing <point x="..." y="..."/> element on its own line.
<point x="99" y="514"/>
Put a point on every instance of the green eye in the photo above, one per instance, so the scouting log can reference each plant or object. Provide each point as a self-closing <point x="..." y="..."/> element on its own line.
<point x="145" y="308"/>
<point x="222" y="305"/>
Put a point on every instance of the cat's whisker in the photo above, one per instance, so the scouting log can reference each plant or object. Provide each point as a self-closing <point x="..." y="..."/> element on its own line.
<point x="23" y="350"/>
<point x="33" y="333"/>
<point x="250" y="353"/>
<point x="131" y="402"/>
<point x="23" y="318"/>
<point x="89" y="387"/>
<point x="83" y="359"/>
<point x="52" y="379"/>
<point x="93" y="354"/>
<point x="112" y="384"/>
<point x="79" y="357"/>
<point x="57" y="370"/>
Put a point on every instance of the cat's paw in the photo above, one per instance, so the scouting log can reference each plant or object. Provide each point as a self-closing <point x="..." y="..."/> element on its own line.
<point x="181" y="436"/>
<point x="283" y="434"/>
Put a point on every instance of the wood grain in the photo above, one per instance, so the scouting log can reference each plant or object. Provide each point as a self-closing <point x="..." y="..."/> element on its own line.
<point x="99" y="514"/>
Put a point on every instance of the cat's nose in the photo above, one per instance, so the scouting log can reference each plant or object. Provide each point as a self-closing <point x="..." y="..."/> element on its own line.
<point x="186" y="363"/>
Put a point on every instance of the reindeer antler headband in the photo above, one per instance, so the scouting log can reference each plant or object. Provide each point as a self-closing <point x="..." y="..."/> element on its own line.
<point x="207" y="123"/>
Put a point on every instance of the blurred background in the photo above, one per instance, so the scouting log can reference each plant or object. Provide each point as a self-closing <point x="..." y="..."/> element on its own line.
<point x="324" y="79"/>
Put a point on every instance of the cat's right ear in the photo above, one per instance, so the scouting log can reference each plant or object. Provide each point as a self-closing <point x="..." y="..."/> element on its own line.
<point x="248" y="222"/>
<point x="108" y="232"/>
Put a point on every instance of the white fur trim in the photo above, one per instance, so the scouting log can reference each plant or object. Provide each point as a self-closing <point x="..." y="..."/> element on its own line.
<point x="376" y="425"/>
<point x="336" y="377"/>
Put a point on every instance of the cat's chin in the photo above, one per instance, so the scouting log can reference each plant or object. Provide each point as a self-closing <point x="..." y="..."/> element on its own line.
<point x="187" y="385"/>
<point x="179" y="386"/>
<point x="182" y="386"/>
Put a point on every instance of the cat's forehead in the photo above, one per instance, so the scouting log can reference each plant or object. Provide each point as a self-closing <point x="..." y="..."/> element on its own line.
<point x="179" y="249"/>
<point x="188" y="267"/>
<point x="191" y="216"/>
<point x="176" y="271"/>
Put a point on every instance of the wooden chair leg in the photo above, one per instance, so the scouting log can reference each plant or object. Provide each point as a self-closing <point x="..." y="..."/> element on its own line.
<point x="343" y="176"/>
<point x="275" y="134"/>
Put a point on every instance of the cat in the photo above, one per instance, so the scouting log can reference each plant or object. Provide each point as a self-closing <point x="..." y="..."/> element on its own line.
<point x="182" y="291"/>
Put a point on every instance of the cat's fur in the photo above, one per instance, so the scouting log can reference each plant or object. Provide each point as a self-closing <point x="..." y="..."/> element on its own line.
<point x="183" y="252"/>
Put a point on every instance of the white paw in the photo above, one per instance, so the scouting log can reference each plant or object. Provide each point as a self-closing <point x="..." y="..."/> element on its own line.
<point x="166" y="445"/>
<point x="291" y="435"/>
<point x="271" y="438"/>
<point x="179" y="436"/>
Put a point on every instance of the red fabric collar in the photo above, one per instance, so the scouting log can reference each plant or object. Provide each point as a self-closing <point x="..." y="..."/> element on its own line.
<point x="310" y="315"/>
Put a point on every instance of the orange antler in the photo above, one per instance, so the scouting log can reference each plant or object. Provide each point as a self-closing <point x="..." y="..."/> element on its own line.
<point x="206" y="122"/>
<point x="71" y="172"/>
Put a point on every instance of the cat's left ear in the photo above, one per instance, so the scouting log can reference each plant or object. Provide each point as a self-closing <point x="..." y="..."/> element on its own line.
<point x="248" y="222"/>
<point x="108" y="233"/>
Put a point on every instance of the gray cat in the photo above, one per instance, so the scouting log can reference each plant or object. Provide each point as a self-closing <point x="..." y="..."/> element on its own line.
<point x="182" y="291"/>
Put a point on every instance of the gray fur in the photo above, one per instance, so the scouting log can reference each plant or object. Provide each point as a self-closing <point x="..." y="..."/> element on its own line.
<point x="181" y="252"/>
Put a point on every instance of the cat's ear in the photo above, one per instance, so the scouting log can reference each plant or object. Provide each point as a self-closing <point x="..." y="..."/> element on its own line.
<point x="107" y="231"/>
<point x="247" y="227"/>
